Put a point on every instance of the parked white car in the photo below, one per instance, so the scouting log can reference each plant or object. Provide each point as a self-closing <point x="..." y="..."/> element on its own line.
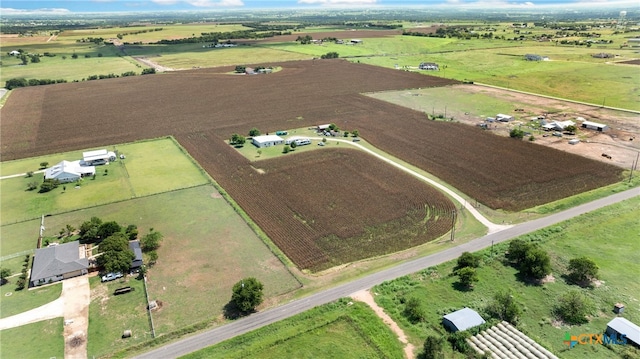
<point x="111" y="276"/>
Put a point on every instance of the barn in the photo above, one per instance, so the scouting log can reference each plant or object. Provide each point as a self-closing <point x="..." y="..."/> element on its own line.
<point x="595" y="126"/>
<point x="462" y="319"/>
<point x="98" y="157"/>
<point x="66" y="171"/>
<point x="55" y="263"/>
<point x="267" y="141"/>
<point x="621" y="326"/>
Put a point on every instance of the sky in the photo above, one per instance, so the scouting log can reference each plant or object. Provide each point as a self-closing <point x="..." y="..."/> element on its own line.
<point x="8" y="7"/>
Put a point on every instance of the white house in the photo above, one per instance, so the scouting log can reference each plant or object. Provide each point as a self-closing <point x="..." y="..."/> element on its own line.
<point x="267" y="141"/>
<point x="66" y="171"/>
<point x="98" y="157"/>
<point x="504" y="118"/>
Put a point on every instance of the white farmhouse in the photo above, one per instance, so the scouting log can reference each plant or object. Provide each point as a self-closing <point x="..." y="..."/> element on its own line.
<point x="266" y="141"/>
<point x="66" y="171"/>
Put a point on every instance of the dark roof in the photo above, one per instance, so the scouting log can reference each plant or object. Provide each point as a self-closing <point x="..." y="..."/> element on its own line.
<point x="137" y="260"/>
<point x="623" y="326"/>
<point x="464" y="319"/>
<point x="57" y="260"/>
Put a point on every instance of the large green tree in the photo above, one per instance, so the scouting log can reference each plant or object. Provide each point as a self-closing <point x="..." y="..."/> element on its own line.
<point x="573" y="307"/>
<point x="467" y="259"/>
<point x="536" y="264"/>
<point x="504" y="307"/>
<point x="116" y="255"/>
<point x="247" y="294"/>
<point x="433" y="348"/>
<point x="467" y="276"/>
<point x="4" y="274"/>
<point x="582" y="270"/>
<point x="151" y="241"/>
<point x="89" y="229"/>
<point x="107" y="229"/>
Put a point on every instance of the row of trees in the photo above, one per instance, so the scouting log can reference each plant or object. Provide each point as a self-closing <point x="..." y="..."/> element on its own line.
<point x="22" y="82"/>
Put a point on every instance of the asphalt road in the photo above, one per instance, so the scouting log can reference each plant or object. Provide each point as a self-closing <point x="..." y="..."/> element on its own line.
<point x="258" y="320"/>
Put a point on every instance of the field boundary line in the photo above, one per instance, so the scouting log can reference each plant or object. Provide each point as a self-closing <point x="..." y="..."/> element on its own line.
<point x="14" y="255"/>
<point x="637" y="112"/>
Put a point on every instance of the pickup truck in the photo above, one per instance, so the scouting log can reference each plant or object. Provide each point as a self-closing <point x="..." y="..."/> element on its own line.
<point x="111" y="276"/>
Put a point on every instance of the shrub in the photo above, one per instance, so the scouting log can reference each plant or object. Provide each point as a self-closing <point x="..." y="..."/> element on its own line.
<point x="504" y="307"/>
<point x="582" y="270"/>
<point x="48" y="185"/>
<point x="413" y="310"/>
<point x="468" y="259"/>
<point x="573" y="307"/>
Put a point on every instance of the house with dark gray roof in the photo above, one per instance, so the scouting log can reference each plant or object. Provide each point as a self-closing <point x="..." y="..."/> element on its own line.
<point x="58" y="262"/>
<point x="137" y="251"/>
<point x="462" y="319"/>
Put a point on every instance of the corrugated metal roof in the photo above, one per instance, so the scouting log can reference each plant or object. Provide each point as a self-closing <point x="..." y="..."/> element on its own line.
<point x="465" y="318"/>
<point x="623" y="326"/>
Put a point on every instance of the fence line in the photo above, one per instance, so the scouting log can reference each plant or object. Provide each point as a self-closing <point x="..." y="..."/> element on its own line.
<point x="146" y="295"/>
<point x="14" y="255"/>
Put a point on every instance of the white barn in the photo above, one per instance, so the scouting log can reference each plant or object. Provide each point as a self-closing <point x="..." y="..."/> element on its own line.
<point x="66" y="171"/>
<point x="267" y="141"/>
<point x="595" y="126"/>
<point x="622" y="326"/>
<point x="98" y="157"/>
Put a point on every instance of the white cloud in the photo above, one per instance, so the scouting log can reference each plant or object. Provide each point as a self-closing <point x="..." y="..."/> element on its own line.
<point x="338" y="2"/>
<point x="11" y="11"/>
<point x="202" y="3"/>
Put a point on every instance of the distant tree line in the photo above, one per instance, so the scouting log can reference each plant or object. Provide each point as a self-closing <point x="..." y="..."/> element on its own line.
<point x="120" y="36"/>
<point x="22" y="82"/>
<point x="215" y="37"/>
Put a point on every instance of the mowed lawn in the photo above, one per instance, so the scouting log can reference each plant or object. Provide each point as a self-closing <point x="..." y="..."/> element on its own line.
<point x="38" y="340"/>
<point x="23" y="300"/>
<point x="342" y="329"/>
<point x="606" y="236"/>
<point x="207" y="248"/>
<point x="110" y="315"/>
<point x="150" y="167"/>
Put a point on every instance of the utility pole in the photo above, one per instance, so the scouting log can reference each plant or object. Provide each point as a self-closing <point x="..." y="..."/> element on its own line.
<point x="453" y="225"/>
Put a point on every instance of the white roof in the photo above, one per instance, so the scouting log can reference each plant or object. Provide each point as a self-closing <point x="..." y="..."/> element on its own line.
<point x="623" y="326"/>
<point x="267" y="138"/>
<point x="102" y="152"/>
<point x="595" y="124"/>
<point x="503" y="115"/>
<point x="564" y="124"/>
<point x="464" y="319"/>
<point x="70" y="168"/>
<point x="323" y="127"/>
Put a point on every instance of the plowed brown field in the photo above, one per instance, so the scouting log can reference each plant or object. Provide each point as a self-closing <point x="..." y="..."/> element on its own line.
<point x="329" y="207"/>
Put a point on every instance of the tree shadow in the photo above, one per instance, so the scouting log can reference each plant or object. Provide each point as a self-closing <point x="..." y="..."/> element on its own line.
<point x="528" y="281"/>
<point x="572" y="281"/>
<point x="231" y="311"/>
<point x="461" y="287"/>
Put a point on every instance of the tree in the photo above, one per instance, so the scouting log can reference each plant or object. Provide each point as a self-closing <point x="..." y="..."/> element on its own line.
<point x="294" y="145"/>
<point x="467" y="276"/>
<point x="151" y="241"/>
<point x="573" y="307"/>
<point x="247" y="294"/>
<point x="582" y="270"/>
<point x="254" y="132"/>
<point x="32" y="185"/>
<point x="286" y="149"/>
<point x="148" y="71"/>
<point x="44" y="164"/>
<point x="69" y="229"/>
<point x="355" y="133"/>
<point x="330" y="55"/>
<point x="116" y="254"/>
<point x="467" y="259"/>
<point x="4" y="274"/>
<point x="153" y="257"/>
<point x="89" y="229"/>
<point x="16" y="82"/>
<point x="48" y="185"/>
<point x="413" y="310"/>
<point x="536" y="264"/>
<point x="237" y="139"/>
<point x="74" y="56"/>
<point x="504" y="307"/>
<point x="24" y="59"/>
<point x="34" y="59"/>
<point x="571" y="129"/>
<point x="432" y="348"/>
<point x="107" y="229"/>
<point x="518" y="251"/>
<point x="516" y="133"/>
<point x="240" y="69"/>
<point x="132" y="232"/>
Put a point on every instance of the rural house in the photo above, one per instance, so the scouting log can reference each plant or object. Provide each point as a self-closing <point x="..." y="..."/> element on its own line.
<point x="558" y="125"/>
<point x="97" y="157"/>
<point x="595" y="126"/>
<point x="267" y="141"/>
<point x="462" y="319"/>
<point x="429" y="66"/>
<point x="58" y="262"/>
<point x="66" y="171"/>
<point x="622" y="326"/>
<point x="136" y="263"/>
<point x="504" y="118"/>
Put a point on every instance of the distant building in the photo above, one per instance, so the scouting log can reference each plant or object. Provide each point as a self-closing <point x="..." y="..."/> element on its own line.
<point x="55" y="263"/>
<point x="66" y="171"/>
<point x="462" y="319"/>
<point x="595" y="126"/>
<point x="429" y="66"/>
<point x="97" y="157"/>
<point x="504" y="118"/>
<point x="558" y="125"/>
<point x="267" y="141"/>
<point x="356" y="41"/>
<point x="14" y="53"/>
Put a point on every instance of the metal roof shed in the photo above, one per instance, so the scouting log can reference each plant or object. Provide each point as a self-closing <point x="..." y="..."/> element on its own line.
<point x="462" y="319"/>
<point x="623" y="326"/>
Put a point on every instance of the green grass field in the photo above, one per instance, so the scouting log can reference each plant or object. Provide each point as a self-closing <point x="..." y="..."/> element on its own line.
<point x="149" y="168"/>
<point x="111" y="315"/>
<point x="603" y="236"/>
<point x="335" y="330"/>
<point x="38" y="340"/>
<point x="23" y="300"/>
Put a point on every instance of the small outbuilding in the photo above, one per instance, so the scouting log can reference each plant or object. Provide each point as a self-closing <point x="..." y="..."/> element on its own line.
<point x="66" y="171"/>
<point x="267" y="141"/>
<point x="136" y="263"/>
<point x="595" y="126"/>
<point x="462" y="319"/>
<point x="621" y="326"/>
<point x="429" y="66"/>
<point x="97" y="157"/>
<point x="504" y="118"/>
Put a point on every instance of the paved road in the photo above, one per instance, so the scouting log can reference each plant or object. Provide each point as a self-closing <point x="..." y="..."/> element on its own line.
<point x="261" y="319"/>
